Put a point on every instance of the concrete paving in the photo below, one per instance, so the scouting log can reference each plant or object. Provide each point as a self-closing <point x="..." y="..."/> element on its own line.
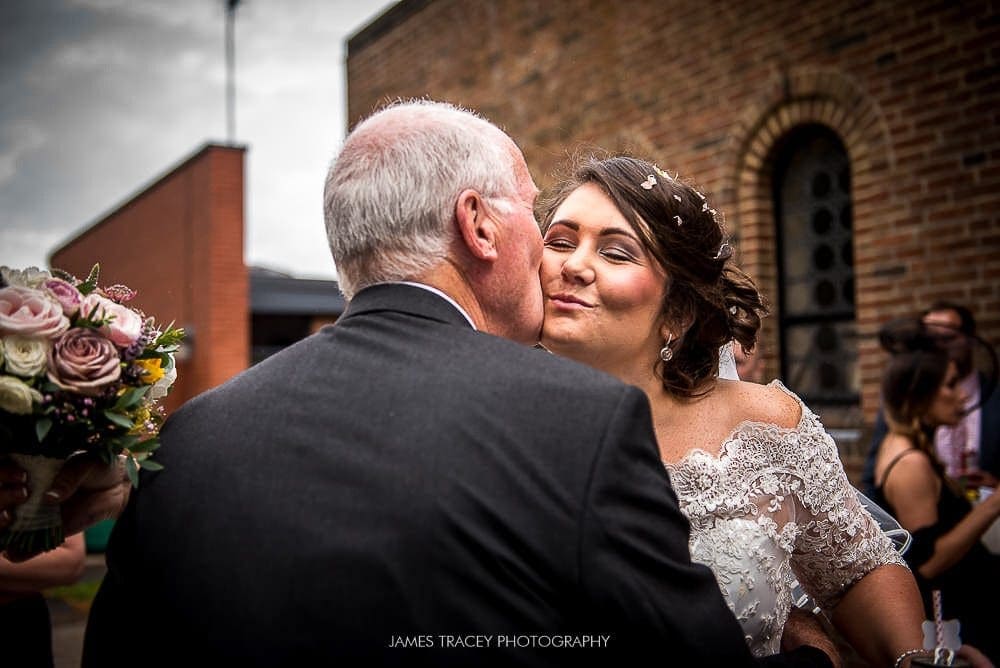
<point x="70" y="620"/>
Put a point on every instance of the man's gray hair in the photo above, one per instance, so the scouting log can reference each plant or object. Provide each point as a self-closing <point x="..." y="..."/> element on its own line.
<point x="390" y="194"/>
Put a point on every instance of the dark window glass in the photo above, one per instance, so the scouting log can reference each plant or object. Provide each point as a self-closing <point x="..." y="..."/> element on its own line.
<point x="812" y="200"/>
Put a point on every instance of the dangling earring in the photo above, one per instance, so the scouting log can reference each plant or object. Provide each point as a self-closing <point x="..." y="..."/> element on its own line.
<point x="666" y="354"/>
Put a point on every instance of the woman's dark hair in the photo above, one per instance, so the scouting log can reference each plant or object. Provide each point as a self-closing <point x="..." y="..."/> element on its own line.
<point x="708" y="300"/>
<point x="917" y="368"/>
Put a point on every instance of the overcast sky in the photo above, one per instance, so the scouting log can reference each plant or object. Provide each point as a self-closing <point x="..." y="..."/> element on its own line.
<point x="99" y="97"/>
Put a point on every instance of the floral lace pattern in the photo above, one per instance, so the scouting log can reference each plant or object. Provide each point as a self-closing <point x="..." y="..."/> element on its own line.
<point x="774" y="505"/>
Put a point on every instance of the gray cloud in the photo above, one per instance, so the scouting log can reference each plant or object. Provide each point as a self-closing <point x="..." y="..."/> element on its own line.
<point x="98" y="97"/>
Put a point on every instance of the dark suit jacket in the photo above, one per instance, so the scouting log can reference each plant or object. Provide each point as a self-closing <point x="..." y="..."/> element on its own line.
<point x="396" y="478"/>
<point x="989" y="438"/>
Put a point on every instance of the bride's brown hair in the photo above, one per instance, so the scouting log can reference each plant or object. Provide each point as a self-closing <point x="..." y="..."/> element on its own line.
<point x="708" y="300"/>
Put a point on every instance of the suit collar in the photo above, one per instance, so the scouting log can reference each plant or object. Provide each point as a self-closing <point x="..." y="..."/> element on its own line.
<point x="405" y="298"/>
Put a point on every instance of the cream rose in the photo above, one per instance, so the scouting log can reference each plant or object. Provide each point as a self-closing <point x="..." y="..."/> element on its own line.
<point x="16" y="396"/>
<point x="83" y="361"/>
<point x="25" y="356"/>
<point x="30" y="312"/>
<point x="32" y="277"/>
<point x="124" y="325"/>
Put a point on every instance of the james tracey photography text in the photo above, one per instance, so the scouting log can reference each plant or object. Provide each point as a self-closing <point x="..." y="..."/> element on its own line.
<point x="479" y="641"/>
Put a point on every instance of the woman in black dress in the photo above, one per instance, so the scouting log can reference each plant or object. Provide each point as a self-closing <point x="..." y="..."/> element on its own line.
<point x="920" y="392"/>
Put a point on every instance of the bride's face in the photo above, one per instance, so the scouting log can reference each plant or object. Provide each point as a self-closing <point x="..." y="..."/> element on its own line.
<point x="603" y="291"/>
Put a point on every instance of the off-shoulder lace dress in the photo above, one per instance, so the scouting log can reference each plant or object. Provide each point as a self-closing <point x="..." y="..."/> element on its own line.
<point x="774" y="504"/>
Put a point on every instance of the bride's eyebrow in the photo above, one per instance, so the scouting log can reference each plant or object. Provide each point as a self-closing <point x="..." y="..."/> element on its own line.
<point x="619" y="231"/>
<point x="565" y="223"/>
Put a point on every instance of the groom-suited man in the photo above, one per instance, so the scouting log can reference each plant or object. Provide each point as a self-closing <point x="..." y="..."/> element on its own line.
<point x="413" y="486"/>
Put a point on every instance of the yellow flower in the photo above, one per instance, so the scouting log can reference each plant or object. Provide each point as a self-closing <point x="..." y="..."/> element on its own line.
<point x="151" y="370"/>
<point x="140" y="416"/>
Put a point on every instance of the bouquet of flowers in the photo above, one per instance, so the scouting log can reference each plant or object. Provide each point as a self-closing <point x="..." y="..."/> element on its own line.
<point x="79" y="371"/>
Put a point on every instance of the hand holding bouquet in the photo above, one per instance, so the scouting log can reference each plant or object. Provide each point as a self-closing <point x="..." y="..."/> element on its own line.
<point x="79" y="371"/>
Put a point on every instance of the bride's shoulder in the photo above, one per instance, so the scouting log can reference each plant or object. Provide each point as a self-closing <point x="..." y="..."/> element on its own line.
<point x="768" y="404"/>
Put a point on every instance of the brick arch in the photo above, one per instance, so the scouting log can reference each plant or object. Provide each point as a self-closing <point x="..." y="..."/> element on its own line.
<point x="804" y="96"/>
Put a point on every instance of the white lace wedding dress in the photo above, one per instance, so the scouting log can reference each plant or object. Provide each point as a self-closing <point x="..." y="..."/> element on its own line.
<point x="771" y="505"/>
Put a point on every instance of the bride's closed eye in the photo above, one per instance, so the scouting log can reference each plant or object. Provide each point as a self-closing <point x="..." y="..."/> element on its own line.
<point x="618" y="254"/>
<point x="559" y="243"/>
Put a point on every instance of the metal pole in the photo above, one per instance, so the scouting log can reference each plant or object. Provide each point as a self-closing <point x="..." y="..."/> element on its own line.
<point x="230" y="72"/>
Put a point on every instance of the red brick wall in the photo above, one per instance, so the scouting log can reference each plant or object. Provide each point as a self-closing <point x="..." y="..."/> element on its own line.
<point x="179" y="242"/>
<point x="708" y="88"/>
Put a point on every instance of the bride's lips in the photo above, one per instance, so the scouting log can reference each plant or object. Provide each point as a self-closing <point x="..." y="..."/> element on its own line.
<point x="568" y="302"/>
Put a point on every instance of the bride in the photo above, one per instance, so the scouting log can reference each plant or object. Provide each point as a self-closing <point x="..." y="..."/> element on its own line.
<point x="639" y="282"/>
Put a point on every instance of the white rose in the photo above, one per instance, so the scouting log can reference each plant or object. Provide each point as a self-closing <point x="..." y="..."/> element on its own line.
<point x="32" y="277"/>
<point x="160" y="388"/>
<point x="25" y="356"/>
<point x="16" y="396"/>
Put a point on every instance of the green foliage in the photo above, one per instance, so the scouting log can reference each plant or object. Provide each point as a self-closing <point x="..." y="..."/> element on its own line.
<point x="132" y="469"/>
<point x="131" y="398"/>
<point x="119" y="419"/>
<point x="169" y="339"/>
<point x="90" y="284"/>
<point x="42" y="427"/>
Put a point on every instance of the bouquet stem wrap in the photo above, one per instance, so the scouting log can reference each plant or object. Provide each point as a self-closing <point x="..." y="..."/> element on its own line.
<point x="37" y="526"/>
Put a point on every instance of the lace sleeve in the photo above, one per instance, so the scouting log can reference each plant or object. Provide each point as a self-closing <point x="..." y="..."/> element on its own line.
<point x="838" y="541"/>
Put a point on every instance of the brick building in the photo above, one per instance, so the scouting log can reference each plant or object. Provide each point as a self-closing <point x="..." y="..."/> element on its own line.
<point x="853" y="147"/>
<point x="179" y="243"/>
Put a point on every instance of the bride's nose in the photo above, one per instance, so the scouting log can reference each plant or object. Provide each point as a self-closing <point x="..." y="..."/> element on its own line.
<point x="578" y="268"/>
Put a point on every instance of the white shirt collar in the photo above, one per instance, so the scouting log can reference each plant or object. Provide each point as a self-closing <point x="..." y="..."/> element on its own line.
<point x="443" y="296"/>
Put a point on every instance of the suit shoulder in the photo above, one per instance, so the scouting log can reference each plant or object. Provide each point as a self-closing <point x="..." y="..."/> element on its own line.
<point x="535" y="363"/>
<point x="255" y="379"/>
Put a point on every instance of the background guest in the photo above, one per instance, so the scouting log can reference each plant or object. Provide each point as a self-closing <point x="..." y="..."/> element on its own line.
<point x="969" y="449"/>
<point x="921" y="391"/>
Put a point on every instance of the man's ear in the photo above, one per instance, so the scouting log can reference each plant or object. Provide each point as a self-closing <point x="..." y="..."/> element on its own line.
<point x="476" y="227"/>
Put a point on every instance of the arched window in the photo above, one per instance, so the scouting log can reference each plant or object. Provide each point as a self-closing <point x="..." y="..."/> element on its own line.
<point x="812" y="203"/>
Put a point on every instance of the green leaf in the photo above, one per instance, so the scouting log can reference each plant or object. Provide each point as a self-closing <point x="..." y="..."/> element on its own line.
<point x="130" y="398"/>
<point x="119" y="419"/>
<point x="150" y="465"/>
<point x="90" y="284"/>
<point x="64" y="275"/>
<point x="132" y="468"/>
<point x="148" y="445"/>
<point x="42" y="427"/>
<point x="124" y="442"/>
<point x="49" y="387"/>
<point x="165" y="361"/>
<point x="169" y="338"/>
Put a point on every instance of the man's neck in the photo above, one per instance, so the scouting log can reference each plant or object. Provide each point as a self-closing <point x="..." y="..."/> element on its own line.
<point x="450" y="282"/>
<point x="443" y="295"/>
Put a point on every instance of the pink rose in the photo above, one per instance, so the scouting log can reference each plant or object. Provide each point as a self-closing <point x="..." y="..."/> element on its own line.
<point x="30" y="312"/>
<point x="83" y="361"/>
<point x="124" y="325"/>
<point x="66" y="294"/>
